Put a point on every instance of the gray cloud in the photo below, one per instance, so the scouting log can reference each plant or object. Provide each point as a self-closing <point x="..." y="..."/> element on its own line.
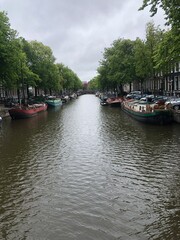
<point x="78" y="30"/>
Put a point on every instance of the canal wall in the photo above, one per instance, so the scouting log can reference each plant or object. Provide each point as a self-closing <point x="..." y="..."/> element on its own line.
<point x="3" y="111"/>
<point x="176" y="116"/>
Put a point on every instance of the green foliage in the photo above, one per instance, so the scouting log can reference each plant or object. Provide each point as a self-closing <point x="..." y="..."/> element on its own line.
<point x="166" y="53"/>
<point x="172" y="16"/>
<point x="118" y="65"/>
<point x="40" y="59"/>
<point x="105" y="82"/>
<point x="33" y="64"/>
<point x="9" y="52"/>
<point x="126" y="60"/>
<point x="93" y="84"/>
<point x="170" y="7"/>
<point x="141" y="60"/>
<point x="153" y="36"/>
<point x="30" y="63"/>
<point x="70" y="81"/>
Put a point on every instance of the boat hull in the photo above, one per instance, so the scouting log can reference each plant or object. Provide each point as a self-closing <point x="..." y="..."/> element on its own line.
<point x="24" y="112"/>
<point x="114" y="102"/>
<point x="103" y="103"/>
<point x="54" y="103"/>
<point x="156" y="117"/>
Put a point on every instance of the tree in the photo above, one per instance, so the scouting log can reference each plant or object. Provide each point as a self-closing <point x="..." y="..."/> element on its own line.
<point x="166" y="55"/>
<point x="77" y="82"/>
<point x="70" y="81"/>
<point x="13" y="62"/>
<point x="153" y="36"/>
<point x="170" y="7"/>
<point x="24" y="64"/>
<point x="141" y="60"/>
<point x="118" y="66"/>
<point x="93" y="84"/>
<point x="9" y="53"/>
<point x="172" y="13"/>
<point x="105" y="82"/>
<point x="41" y="62"/>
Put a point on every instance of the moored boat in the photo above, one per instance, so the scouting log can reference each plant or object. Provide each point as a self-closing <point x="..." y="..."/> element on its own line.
<point x="114" y="101"/>
<point x="73" y="96"/>
<point x="147" y="111"/>
<point x="53" y="102"/>
<point x="22" y="111"/>
<point x="65" y="99"/>
<point x="103" y="100"/>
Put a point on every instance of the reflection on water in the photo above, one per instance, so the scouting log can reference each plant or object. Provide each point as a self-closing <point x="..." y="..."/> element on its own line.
<point x="89" y="172"/>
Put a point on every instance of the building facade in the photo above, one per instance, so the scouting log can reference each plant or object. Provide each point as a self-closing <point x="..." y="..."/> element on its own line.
<point x="167" y="84"/>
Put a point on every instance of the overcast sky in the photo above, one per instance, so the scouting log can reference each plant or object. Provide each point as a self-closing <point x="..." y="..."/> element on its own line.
<point x="77" y="31"/>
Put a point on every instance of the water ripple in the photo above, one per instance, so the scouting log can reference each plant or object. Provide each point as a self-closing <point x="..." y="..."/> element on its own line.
<point x="89" y="172"/>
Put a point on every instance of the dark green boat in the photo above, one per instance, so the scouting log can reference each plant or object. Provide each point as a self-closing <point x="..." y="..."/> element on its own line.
<point x="147" y="111"/>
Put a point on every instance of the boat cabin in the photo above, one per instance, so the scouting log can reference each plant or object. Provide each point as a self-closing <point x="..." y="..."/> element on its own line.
<point x="145" y="104"/>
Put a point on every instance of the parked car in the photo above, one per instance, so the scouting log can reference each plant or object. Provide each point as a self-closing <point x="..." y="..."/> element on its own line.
<point x="134" y="95"/>
<point x="174" y="102"/>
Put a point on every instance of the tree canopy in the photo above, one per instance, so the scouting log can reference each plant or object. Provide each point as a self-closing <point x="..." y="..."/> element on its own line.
<point x="172" y="16"/>
<point x="170" y="7"/>
<point x="128" y="61"/>
<point x="31" y="63"/>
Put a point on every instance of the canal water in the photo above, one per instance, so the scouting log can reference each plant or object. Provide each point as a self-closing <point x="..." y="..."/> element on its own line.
<point x="87" y="172"/>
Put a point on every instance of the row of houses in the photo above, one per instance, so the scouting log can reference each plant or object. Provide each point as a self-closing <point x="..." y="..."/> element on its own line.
<point x="168" y="85"/>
